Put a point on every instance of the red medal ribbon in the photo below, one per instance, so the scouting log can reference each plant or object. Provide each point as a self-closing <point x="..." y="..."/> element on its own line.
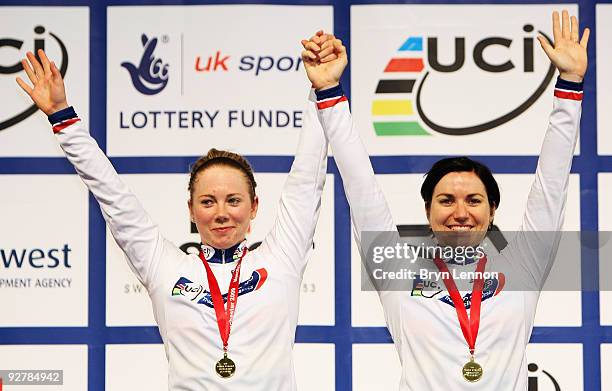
<point x="469" y="326"/>
<point x="225" y="316"/>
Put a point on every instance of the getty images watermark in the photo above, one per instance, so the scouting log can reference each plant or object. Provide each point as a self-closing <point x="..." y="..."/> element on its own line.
<point x="404" y="260"/>
<point x="405" y="252"/>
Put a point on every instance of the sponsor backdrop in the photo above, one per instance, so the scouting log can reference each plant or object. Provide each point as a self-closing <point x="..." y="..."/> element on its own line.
<point x="160" y="84"/>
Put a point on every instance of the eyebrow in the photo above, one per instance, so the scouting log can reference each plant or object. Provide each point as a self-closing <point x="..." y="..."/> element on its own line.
<point x="213" y="197"/>
<point x="452" y="196"/>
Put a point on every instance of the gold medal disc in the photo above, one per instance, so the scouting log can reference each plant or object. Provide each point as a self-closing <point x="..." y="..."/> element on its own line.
<point x="472" y="371"/>
<point x="225" y="367"/>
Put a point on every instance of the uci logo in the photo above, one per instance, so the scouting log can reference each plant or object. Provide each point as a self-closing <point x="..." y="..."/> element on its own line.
<point x="411" y="57"/>
<point x="151" y="75"/>
<point x="11" y="69"/>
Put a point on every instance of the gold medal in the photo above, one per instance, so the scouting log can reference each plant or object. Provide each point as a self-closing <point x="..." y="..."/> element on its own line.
<point x="225" y="367"/>
<point x="472" y="371"/>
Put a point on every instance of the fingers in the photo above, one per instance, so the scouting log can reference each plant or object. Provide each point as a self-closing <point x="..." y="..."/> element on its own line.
<point x="38" y="70"/>
<point x="307" y="55"/>
<point x="326" y="51"/>
<point x="54" y="71"/>
<point x="312" y="46"/>
<point x="317" y="37"/>
<point x="556" y="27"/>
<point x="340" y="48"/>
<point x="548" y="49"/>
<point x="28" y="70"/>
<point x="585" y="38"/>
<point x="24" y="86"/>
<point x="565" y="24"/>
<point x="45" y="61"/>
<point x="329" y="58"/>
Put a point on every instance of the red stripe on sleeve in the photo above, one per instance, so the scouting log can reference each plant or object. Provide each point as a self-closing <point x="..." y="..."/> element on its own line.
<point x="330" y="103"/>
<point x="63" y="125"/>
<point x="568" y="95"/>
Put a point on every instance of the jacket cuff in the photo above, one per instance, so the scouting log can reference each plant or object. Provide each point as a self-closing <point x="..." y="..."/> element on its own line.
<point x="565" y="89"/>
<point x="63" y="118"/>
<point x="330" y="97"/>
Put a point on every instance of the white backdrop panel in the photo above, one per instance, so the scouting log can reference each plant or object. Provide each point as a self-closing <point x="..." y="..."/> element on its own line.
<point x="604" y="193"/>
<point x="72" y="359"/>
<point x="215" y="75"/>
<point x="463" y="96"/>
<point x="53" y="27"/>
<point x="43" y="251"/>
<point x="604" y="79"/>
<point x="375" y="367"/>
<point x="550" y="363"/>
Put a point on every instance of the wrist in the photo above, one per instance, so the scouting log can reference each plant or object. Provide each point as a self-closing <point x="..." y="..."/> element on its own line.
<point x="571" y="77"/>
<point x="327" y="86"/>
<point x="56" y="108"/>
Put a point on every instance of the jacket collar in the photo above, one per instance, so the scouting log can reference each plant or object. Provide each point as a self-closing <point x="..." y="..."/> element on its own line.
<point x="215" y="255"/>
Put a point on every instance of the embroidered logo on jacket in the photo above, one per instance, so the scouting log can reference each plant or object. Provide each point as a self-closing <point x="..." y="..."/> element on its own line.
<point x="430" y="289"/>
<point x="187" y="288"/>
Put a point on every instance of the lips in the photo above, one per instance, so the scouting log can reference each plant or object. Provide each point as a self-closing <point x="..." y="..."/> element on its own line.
<point x="223" y="229"/>
<point x="459" y="228"/>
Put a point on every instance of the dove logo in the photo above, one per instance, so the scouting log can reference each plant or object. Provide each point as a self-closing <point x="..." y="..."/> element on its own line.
<point x="151" y="75"/>
<point x="14" y="66"/>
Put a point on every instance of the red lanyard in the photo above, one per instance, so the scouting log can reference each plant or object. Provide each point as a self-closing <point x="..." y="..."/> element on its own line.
<point x="469" y="326"/>
<point x="225" y="316"/>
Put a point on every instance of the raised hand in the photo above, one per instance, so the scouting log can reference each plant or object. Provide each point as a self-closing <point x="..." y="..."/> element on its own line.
<point x="569" y="53"/>
<point x="47" y="89"/>
<point x="324" y="59"/>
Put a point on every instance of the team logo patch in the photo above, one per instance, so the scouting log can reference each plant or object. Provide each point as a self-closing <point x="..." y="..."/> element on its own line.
<point x="208" y="252"/>
<point x="430" y="289"/>
<point x="187" y="288"/>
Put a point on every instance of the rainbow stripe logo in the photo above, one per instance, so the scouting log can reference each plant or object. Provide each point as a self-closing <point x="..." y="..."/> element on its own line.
<point x="393" y="109"/>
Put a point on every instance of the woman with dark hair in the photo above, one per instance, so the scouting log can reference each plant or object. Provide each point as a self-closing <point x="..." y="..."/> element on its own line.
<point x="188" y="291"/>
<point x="440" y="347"/>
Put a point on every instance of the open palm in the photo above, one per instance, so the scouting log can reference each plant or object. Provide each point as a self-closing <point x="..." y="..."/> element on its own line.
<point x="47" y="89"/>
<point x="569" y="53"/>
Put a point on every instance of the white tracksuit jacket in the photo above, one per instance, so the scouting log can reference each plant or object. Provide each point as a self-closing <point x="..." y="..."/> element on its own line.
<point x="263" y="330"/>
<point x="426" y="331"/>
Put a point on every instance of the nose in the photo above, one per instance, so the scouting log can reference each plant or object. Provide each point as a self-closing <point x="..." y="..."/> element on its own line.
<point x="460" y="214"/>
<point x="221" y="215"/>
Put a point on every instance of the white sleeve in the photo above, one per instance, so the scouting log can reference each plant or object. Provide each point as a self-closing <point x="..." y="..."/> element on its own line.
<point x="535" y="245"/>
<point x="369" y="209"/>
<point x="291" y="236"/>
<point x="130" y="225"/>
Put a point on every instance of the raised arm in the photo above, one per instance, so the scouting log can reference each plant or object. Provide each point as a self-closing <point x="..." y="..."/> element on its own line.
<point x="324" y="59"/>
<point x="130" y="225"/>
<point x="291" y="236"/>
<point x="536" y="244"/>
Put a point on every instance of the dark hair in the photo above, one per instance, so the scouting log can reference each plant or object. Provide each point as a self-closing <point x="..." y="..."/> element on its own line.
<point x="459" y="164"/>
<point x="216" y="157"/>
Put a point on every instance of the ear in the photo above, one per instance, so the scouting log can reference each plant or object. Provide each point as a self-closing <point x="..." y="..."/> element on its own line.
<point x="254" y="207"/>
<point x="190" y="206"/>
<point x="492" y="213"/>
<point x="427" y="210"/>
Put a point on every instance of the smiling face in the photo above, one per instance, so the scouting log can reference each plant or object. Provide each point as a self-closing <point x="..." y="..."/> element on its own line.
<point x="460" y="212"/>
<point x="221" y="206"/>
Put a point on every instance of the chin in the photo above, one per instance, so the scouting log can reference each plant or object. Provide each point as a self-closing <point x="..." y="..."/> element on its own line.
<point x="452" y="238"/>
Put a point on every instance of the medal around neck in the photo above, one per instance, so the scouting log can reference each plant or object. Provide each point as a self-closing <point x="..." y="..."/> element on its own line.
<point x="225" y="367"/>
<point x="472" y="371"/>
